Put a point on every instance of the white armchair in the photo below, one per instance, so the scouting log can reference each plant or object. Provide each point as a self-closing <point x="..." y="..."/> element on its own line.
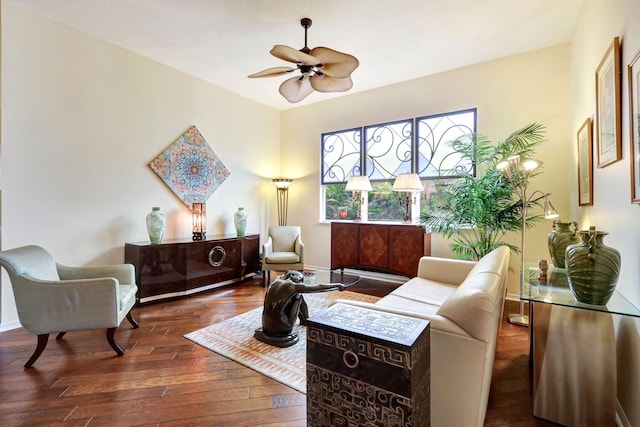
<point x="51" y="297"/>
<point x="283" y="250"/>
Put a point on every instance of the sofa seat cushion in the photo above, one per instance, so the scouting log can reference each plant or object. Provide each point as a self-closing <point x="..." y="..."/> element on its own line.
<point x="126" y="294"/>
<point x="396" y="302"/>
<point x="282" y="258"/>
<point x="425" y="291"/>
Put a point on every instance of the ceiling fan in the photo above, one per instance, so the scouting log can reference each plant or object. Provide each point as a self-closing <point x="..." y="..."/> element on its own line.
<point x="323" y="69"/>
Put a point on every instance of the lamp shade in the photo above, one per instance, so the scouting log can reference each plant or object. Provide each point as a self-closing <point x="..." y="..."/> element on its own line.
<point x="549" y="211"/>
<point x="358" y="183"/>
<point x="282" y="183"/>
<point x="407" y="182"/>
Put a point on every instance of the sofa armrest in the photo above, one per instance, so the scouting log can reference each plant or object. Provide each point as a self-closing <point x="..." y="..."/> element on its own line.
<point x="299" y="248"/>
<point x="267" y="247"/>
<point x="444" y="270"/>
<point x="436" y="322"/>
<point x="67" y="305"/>
<point x="123" y="273"/>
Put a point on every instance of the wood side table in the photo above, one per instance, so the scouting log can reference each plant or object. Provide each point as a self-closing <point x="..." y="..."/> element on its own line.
<point x="367" y="367"/>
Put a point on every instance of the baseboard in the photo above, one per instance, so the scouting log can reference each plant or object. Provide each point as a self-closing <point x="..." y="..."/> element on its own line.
<point x="513" y="297"/>
<point x="9" y="326"/>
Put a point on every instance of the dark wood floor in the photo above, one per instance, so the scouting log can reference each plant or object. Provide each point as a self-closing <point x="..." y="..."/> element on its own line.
<point x="164" y="379"/>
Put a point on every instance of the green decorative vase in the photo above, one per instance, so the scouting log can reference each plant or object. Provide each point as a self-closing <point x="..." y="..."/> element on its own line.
<point x="240" y="221"/>
<point x="558" y="240"/>
<point x="156" y="223"/>
<point x="592" y="268"/>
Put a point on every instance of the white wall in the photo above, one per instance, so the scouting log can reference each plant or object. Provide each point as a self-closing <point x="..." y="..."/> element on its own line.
<point x="612" y="211"/>
<point x="509" y="93"/>
<point x="81" y="119"/>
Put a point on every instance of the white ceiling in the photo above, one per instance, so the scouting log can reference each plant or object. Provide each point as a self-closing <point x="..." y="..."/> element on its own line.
<point x="222" y="41"/>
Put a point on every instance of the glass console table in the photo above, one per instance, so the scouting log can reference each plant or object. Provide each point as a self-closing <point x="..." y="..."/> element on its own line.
<point x="555" y="290"/>
<point x="572" y="351"/>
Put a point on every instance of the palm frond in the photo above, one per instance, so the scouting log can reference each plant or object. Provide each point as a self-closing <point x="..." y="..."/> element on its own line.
<point x="478" y="211"/>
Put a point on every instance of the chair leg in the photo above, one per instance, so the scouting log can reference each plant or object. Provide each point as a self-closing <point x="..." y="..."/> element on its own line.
<point x="60" y="335"/>
<point x="42" y="343"/>
<point x="133" y="321"/>
<point x="112" y="342"/>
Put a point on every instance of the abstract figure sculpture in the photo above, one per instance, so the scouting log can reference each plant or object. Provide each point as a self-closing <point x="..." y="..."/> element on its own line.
<point x="283" y="304"/>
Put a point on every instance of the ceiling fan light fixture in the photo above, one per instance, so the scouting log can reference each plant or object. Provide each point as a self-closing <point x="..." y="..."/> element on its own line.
<point x="322" y="69"/>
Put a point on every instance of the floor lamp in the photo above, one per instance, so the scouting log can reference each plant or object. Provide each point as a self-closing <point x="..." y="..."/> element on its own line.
<point x="357" y="184"/>
<point x="282" y="189"/>
<point x="518" y="174"/>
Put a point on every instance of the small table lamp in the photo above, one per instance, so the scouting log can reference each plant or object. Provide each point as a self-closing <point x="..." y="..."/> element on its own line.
<point x="409" y="182"/>
<point x="199" y="217"/>
<point x="357" y="184"/>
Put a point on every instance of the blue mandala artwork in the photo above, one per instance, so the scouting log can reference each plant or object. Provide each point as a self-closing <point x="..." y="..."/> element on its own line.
<point x="190" y="168"/>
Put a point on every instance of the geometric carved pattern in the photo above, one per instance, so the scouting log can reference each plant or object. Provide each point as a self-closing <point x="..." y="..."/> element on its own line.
<point x="367" y="368"/>
<point x="373" y="351"/>
<point x="359" y="403"/>
<point x="379" y="324"/>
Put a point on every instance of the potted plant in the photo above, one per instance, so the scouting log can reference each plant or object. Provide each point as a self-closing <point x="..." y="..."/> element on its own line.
<point x="478" y="210"/>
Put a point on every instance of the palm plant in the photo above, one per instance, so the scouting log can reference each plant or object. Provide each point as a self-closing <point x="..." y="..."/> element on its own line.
<point x="478" y="211"/>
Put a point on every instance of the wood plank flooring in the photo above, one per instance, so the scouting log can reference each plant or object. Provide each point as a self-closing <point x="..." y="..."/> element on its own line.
<point x="166" y="380"/>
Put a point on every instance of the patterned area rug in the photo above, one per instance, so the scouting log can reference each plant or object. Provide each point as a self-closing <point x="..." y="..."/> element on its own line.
<point x="234" y="339"/>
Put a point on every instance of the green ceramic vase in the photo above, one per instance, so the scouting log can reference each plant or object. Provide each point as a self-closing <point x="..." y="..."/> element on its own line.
<point x="562" y="236"/>
<point x="592" y="268"/>
<point x="156" y="223"/>
<point x="240" y="221"/>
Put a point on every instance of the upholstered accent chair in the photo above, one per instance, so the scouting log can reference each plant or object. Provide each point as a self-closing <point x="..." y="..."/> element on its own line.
<point x="51" y="297"/>
<point x="283" y="250"/>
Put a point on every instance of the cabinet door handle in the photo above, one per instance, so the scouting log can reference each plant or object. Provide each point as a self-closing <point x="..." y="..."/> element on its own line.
<point x="350" y="359"/>
<point x="212" y="256"/>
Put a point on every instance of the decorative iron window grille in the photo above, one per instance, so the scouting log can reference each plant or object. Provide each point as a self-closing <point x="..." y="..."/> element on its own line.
<point x="420" y="145"/>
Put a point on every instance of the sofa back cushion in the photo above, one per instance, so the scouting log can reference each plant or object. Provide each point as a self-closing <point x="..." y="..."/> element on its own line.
<point x="32" y="261"/>
<point x="476" y="304"/>
<point x="496" y="261"/>
<point x="284" y="237"/>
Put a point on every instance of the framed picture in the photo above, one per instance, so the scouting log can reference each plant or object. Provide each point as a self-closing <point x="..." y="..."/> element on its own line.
<point x="585" y="164"/>
<point x="634" y="124"/>
<point x="608" y="120"/>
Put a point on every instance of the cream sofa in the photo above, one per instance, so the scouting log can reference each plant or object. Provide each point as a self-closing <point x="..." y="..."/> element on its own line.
<point x="464" y="301"/>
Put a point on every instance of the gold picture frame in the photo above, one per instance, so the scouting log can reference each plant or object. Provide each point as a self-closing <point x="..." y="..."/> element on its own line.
<point x="634" y="125"/>
<point x="608" y="121"/>
<point x="585" y="164"/>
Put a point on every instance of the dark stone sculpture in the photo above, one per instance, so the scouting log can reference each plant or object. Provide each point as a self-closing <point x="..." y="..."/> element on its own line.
<point x="283" y="304"/>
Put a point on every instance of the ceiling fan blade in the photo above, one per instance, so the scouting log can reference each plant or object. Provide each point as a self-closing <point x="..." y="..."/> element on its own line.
<point x="334" y="63"/>
<point x="270" y="72"/>
<point x="293" y="55"/>
<point x="325" y="83"/>
<point x="296" y="89"/>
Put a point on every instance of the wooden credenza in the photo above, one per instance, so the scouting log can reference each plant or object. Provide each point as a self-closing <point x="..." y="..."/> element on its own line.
<point x="180" y="267"/>
<point x="388" y="248"/>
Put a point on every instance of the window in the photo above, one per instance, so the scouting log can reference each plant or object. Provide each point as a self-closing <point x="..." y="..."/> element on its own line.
<point x="420" y="145"/>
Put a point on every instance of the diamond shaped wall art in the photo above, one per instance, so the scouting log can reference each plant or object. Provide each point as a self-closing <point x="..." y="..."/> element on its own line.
<point x="190" y="168"/>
